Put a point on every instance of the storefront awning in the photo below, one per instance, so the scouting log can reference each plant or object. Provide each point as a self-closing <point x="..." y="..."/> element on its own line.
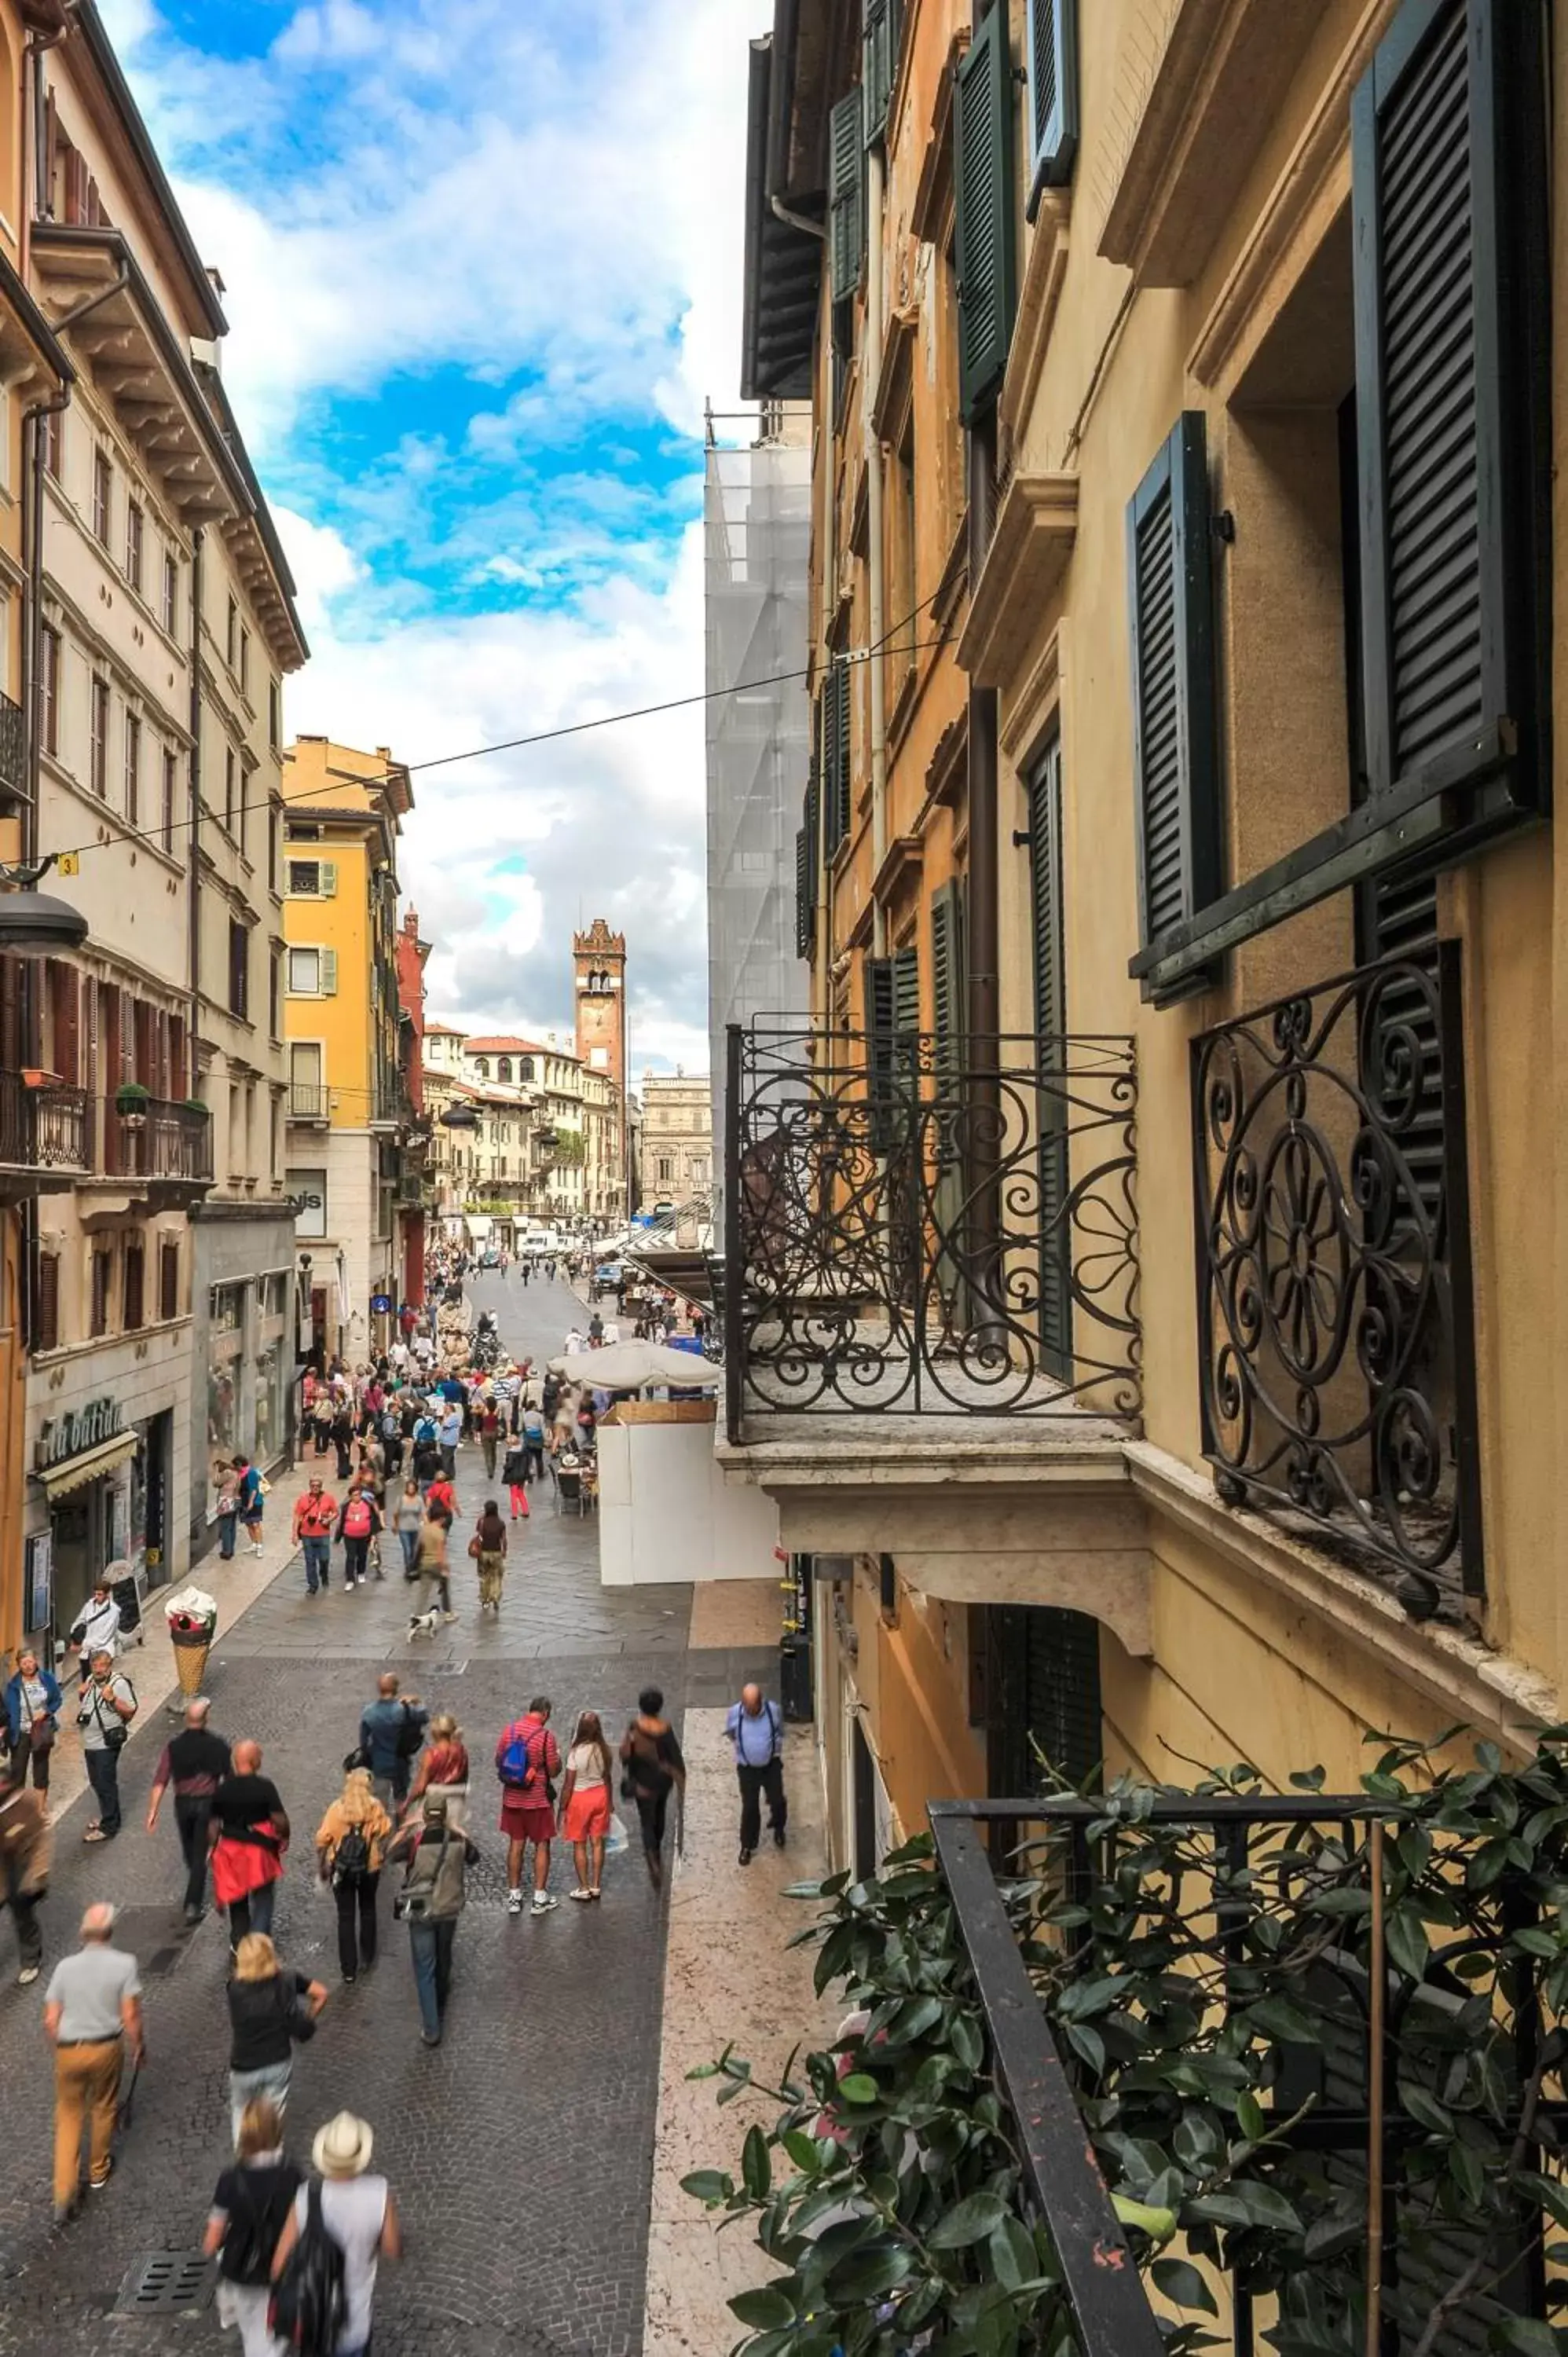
<point x="58" y="1481"/>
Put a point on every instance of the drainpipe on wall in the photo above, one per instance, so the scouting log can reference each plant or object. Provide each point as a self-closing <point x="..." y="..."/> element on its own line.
<point x="193" y="893"/>
<point x="876" y="182"/>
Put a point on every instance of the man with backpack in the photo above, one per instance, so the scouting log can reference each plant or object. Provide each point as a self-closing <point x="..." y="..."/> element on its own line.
<point x="324" y="2269"/>
<point x="755" y="1727"/>
<point x="528" y="1758"/>
<point x="357" y="1524"/>
<point x="434" y="1892"/>
<point x="392" y="1729"/>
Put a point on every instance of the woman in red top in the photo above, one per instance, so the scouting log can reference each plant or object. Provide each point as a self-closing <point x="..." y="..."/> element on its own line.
<point x="443" y="1767"/>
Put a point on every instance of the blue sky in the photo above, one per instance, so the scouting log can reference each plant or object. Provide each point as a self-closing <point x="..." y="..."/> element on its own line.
<point x="482" y="261"/>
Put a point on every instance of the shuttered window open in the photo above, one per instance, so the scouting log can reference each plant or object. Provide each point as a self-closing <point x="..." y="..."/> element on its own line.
<point x="1438" y="196"/>
<point x="806" y="868"/>
<point x="1053" y="96"/>
<point x="985" y="242"/>
<point x="893" y="1025"/>
<point x="879" y="64"/>
<point x="1043" y="1698"/>
<point x="833" y="714"/>
<point x="46" y="1314"/>
<point x="168" y="1280"/>
<point x="846" y="197"/>
<point x="1170" y="601"/>
<point x="1047" y="897"/>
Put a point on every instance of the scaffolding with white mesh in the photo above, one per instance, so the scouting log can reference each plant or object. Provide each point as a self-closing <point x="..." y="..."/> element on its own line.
<point x="756" y="517"/>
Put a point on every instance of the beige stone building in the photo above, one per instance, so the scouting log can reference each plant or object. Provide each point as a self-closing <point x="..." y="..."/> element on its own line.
<point x="162" y="1329"/>
<point x="677" y="1139"/>
<point x="1129" y="1316"/>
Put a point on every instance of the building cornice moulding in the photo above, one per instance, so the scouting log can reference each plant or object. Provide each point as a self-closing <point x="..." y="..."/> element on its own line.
<point x="1036" y="524"/>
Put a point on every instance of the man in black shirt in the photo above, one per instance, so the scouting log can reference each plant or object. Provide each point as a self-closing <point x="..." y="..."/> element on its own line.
<point x="195" y="1762"/>
<point x="248" y="1834"/>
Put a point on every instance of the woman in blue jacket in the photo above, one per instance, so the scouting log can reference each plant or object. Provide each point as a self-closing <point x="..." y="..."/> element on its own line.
<point x="32" y="1708"/>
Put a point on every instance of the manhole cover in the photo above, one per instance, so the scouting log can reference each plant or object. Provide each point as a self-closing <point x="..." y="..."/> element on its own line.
<point x="163" y="2282"/>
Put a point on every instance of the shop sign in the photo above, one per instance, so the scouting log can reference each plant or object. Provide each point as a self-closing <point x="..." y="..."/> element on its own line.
<point x="309" y="1190"/>
<point x="380" y="1305"/>
<point x="40" y="1570"/>
<point x="72" y="1435"/>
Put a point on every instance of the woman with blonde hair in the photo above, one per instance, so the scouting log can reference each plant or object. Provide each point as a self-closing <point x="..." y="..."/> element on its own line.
<point x="349" y="1843"/>
<point x="250" y="2210"/>
<point x="585" y="1802"/>
<point x="443" y="1767"/>
<point x="270" y="2007"/>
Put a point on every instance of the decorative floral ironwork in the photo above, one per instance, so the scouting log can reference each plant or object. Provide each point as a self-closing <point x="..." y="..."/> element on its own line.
<point x="906" y="1232"/>
<point x="1334" y="1280"/>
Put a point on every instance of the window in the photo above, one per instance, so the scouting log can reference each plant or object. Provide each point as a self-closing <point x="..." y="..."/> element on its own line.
<point x="244" y="659"/>
<point x="48" y="687"/>
<point x="171" y="591"/>
<point x="239" y="968"/>
<point x="98" y="765"/>
<point x="103" y="496"/>
<point x="525" y="1068"/>
<point x="1053" y="94"/>
<point x="46" y="1321"/>
<point x="133" y="768"/>
<point x="312" y="973"/>
<point x="132" y="1317"/>
<point x="54" y="442"/>
<point x="230" y="799"/>
<point x="984" y="186"/>
<point x="231" y="633"/>
<point x="171" y="767"/>
<point x="666" y="1169"/>
<point x="806" y="854"/>
<point x="1176" y="757"/>
<point x="482" y="1066"/>
<point x="274" y="836"/>
<point x="833" y="716"/>
<point x="503" y="1068"/>
<point x="312" y="879"/>
<point x="274" y="992"/>
<point x="102" y="1274"/>
<point x="274" y="715"/>
<point x="136" y="528"/>
<point x="168" y="1280"/>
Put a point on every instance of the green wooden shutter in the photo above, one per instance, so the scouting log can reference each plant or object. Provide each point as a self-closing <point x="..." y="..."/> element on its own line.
<point x="1045" y="791"/>
<point x="949" y="1012"/>
<point x="1442" y="158"/>
<point x="983" y="170"/>
<point x="846" y="197"/>
<point x="1043" y="1698"/>
<point x="879" y="1030"/>
<point x="806" y="868"/>
<point x="1170" y="601"/>
<point x="1053" y="96"/>
<point x="905" y="991"/>
<point x="880" y="63"/>
<point x="950" y="1020"/>
<point x="839" y="748"/>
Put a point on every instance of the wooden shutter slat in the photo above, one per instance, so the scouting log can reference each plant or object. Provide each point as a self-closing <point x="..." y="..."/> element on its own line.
<point x="982" y="182"/>
<point x="846" y="209"/>
<point x="1052" y="33"/>
<point x="1170" y="603"/>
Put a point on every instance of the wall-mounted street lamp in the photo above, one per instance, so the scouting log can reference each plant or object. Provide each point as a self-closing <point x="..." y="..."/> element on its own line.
<point x="33" y="923"/>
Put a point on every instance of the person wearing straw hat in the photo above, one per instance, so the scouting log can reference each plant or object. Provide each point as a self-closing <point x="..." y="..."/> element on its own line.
<point x="358" y="2212"/>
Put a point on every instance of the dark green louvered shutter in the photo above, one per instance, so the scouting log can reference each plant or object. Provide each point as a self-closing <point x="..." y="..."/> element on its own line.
<point x="1045" y="791"/>
<point x="846" y="197"/>
<point x="1043" y="1698"/>
<point x="948" y="983"/>
<point x="1442" y="366"/>
<point x="1170" y="601"/>
<point x="905" y="993"/>
<point x="806" y="869"/>
<point x="838" y="780"/>
<point x="879" y="1029"/>
<point x="950" y="1016"/>
<point x="878" y="64"/>
<point x="983" y="171"/>
<point x="1053" y="96"/>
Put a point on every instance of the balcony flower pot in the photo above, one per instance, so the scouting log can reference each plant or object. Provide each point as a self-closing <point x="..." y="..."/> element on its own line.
<point x="132" y="1097"/>
<point x="193" y="1104"/>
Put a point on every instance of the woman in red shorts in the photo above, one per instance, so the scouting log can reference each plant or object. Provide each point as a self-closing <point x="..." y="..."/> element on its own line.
<point x="585" y="1802"/>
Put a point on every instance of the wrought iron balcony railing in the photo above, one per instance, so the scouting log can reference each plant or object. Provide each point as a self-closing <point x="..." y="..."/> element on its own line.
<point x="1396" y="1986"/>
<point x="13" y="746"/>
<point x="1334" y="1318"/>
<point x="913" y="1228"/>
<point x="307" y="1100"/>
<point x="157" y="1140"/>
<point x="44" y="1128"/>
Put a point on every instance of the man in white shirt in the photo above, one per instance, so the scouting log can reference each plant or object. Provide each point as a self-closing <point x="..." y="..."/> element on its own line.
<point x="96" y="1629"/>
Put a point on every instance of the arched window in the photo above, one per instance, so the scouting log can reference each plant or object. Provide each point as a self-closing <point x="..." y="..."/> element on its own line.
<point x="525" y="1068"/>
<point x="482" y="1066"/>
<point x="503" y="1068"/>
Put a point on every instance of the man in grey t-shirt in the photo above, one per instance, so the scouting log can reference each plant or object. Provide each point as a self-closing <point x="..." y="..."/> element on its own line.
<point x="92" y="2008"/>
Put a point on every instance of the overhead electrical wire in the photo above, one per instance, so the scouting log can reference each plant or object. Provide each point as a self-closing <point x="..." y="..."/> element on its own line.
<point x="157" y="836"/>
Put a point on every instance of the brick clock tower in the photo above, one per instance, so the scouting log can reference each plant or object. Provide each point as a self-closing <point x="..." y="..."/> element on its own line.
<point x="598" y="961"/>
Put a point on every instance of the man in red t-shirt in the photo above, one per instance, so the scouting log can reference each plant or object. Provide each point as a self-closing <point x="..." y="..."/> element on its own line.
<point x="314" y="1515"/>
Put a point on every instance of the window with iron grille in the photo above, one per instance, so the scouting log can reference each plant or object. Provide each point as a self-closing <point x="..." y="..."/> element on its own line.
<point x="101" y="1277"/>
<point x="133" y="768"/>
<point x="168" y="1280"/>
<point x="136" y="1265"/>
<point x="49" y="688"/>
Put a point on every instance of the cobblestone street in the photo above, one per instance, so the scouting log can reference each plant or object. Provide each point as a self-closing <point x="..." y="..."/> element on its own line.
<point x="521" y="2150"/>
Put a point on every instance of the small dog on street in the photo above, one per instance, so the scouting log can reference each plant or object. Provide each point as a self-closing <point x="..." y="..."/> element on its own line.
<point x="424" y="1624"/>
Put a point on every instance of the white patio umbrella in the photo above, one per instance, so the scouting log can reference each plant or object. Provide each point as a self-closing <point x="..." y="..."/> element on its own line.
<point x="630" y="1366"/>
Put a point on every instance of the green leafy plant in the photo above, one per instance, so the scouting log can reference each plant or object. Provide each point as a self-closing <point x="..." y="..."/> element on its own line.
<point x="1211" y="2001"/>
<point x="132" y="1097"/>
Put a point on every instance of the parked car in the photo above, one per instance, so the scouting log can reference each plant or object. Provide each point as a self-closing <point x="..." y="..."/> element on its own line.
<point x="490" y="1258"/>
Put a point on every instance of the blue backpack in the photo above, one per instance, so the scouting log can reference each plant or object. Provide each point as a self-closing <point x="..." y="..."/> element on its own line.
<point x="517" y="1765"/>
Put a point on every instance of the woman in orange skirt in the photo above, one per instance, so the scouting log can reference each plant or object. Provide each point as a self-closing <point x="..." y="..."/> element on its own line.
<point x="586" y="1803"/>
